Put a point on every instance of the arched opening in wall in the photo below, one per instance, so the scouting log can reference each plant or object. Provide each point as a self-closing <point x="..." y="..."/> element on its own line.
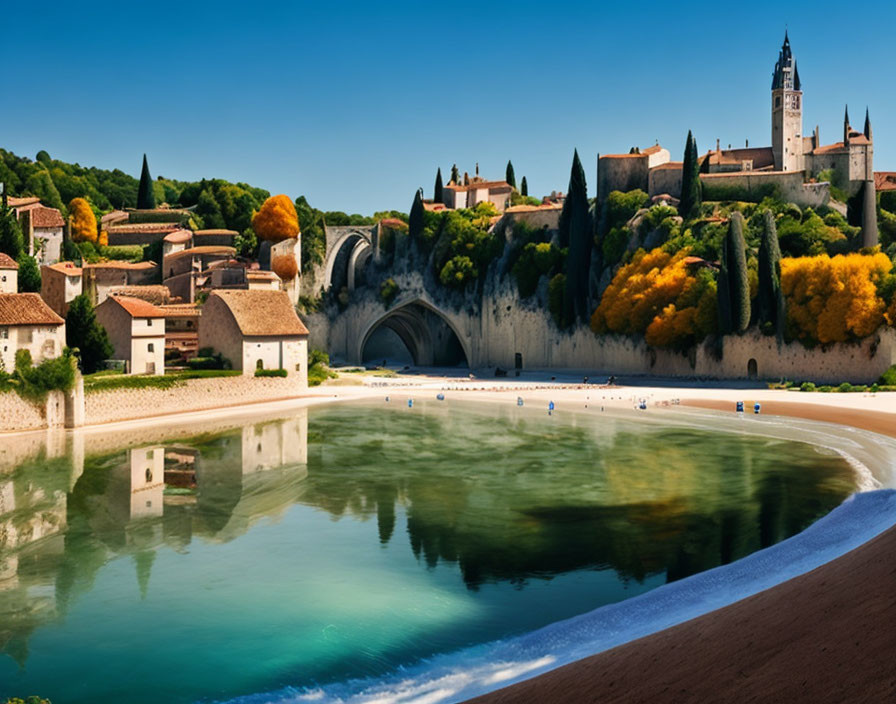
<point x="414" y="334"/>
<point x="347" y="262"/>
<point x="752" y="369"/>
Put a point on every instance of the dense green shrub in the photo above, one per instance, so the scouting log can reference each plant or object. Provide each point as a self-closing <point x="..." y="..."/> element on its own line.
<point x="34" y="382"/>
<point x="535" y="261"/>
<point x="620" y="207"/>
<point x="318" y="368"/>
<point x="388" y="291"/>
<point x="807" y="386"/>
<point x="888" y="378"/>
<point x="103" y="382"/>
<point x="556" y="288"/>
<point x="271" y="372"/>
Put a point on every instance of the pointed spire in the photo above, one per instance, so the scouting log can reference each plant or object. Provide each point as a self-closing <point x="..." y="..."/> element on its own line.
<point x="868" y="125"/>
<point x="796" y="77"/>
<point x="846" y="126"/>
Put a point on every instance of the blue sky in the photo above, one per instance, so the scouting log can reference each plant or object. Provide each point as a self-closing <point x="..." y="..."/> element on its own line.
<point x="355" y="104"/>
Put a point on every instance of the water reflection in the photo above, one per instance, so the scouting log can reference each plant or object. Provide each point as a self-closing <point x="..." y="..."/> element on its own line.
<point x="496" y="497"/>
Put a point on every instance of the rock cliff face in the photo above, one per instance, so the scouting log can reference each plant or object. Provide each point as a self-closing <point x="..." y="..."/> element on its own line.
<point x="489" y="325"/>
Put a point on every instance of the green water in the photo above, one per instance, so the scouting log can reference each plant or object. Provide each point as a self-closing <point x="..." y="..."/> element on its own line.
<point x="346" y="541"/>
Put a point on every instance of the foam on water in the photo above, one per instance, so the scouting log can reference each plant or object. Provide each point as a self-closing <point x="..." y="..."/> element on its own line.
<point x="468" y="673"/>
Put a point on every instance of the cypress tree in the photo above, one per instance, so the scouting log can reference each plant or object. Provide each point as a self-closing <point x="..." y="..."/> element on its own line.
<point x="690" y="179"/>
<point x="524" y="187"/>
<point x="737" y="272"/>
<point x="437" y="194"/>
<point x="12" y="241"/>
<point x="84" y="332"/>
<point x="575" y="231"/>
<point x="146" y="199"/>
<point x="509" y="176"/>
<point x="29" y="274"/>
<point x="723" y="291"/>
<point x="771" y="298"/>
<point x="415" y="218"/>
<point x="455" y="175"/>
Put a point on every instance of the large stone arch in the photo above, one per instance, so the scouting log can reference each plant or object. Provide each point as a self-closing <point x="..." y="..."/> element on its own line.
<point x="409" y="320"/>
<point x="344" y="245"/>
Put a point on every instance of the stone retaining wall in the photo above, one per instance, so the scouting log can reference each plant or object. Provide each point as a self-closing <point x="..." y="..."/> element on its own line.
<point x="17" y="414"/>
<point x="191" y="395"/>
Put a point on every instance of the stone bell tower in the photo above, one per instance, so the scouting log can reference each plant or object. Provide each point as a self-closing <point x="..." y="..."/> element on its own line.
<point x="787" y="112"/>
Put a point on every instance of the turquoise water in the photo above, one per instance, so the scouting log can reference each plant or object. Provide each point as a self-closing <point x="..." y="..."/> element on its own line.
<point x="350" y="540"/>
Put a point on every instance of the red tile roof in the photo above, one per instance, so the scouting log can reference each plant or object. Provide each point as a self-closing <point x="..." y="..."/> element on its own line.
<point x="67" y="268"/>
<point x="475" y="185"/>
<point x="885" y="180"/>
<point x="26" y="309"/>
<point x="179" y="237"/>
<point x="220" y="250"/>
<point x="137" y="308"/>
<point x="14" y="202"/>
<point x="678" y="165"/>
<point x="7" y="262"/>
<point x="117" y="264"/>
<point x="261" y="313"/>
<point x="44" y="217"/>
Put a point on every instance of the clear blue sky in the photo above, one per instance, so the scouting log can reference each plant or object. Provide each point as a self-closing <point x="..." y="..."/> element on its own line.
<point x="355" y="104"/>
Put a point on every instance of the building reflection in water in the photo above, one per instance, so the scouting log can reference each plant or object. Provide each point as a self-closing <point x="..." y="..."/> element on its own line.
<point x="64" y="514"/>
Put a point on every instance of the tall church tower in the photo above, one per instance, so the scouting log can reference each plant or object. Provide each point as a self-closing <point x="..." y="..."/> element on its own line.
<point x="787" y="112"/>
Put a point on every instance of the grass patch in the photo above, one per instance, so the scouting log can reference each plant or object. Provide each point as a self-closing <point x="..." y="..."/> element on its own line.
<point x="99" y="382"/>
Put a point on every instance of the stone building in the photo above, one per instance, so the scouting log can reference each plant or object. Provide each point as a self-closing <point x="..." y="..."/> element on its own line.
<point x="256" y="329"/>
<point x="476" y="190"/>
<point x="791" y="167"/>
<point x="9" y="274"/>
<point x="185" y="272"/>
<point x="137" y="333"/>
<point x="42" y="227"/>
<point x="27" y="323"/>
<point x="60" y="283"/>
<point x="102" y="277"/>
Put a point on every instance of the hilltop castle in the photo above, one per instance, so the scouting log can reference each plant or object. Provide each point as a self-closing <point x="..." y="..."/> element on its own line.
<point x="789" y="168"/>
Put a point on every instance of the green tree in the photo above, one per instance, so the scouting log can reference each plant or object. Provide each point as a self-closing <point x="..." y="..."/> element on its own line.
<point x="509" y="176"/>
<point x="771" y="313"/>
<point x="524" y="187"/>
<point x="83" y="331"/>
<point x="146" y="197"/>
<point x="29" y="274"/>
<point x="739" y="280"/>
<point x="415" y="218"/>
<point x="455" y="175"/>
<point x="40" y="184"/>
<point x="690" y="179"/>
<point x="12" y="242"/>
<point x="43" y="157"/>
<point x="208" y="209"/>
<point x="723" y="291"/>
<point x="438" y="194"/>
<point x="575" y="233"/>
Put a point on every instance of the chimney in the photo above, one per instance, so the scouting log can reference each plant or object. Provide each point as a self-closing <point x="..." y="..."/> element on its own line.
<point x="718" y="144"/>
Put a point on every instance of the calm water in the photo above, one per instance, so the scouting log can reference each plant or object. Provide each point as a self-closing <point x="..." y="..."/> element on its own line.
<point x="349" y="540"/>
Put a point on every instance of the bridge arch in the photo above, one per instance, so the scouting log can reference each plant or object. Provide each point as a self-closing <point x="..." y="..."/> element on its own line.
<point x="430" y="335"/>
<point x="351" y="247"/>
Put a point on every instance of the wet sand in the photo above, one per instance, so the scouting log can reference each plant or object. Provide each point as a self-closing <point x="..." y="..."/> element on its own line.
<point x="826" y="636"/>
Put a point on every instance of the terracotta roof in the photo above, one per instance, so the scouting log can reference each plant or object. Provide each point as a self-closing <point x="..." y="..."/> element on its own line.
<point x="147" y="227"/>
<point x="678" y="165"/>
<point x="67" y="268"/>
<point x="117" y="264"/>
<point x="41" y="216"/>
<point x="181" y="310"/>
<point x="114" y="216"/>
<point x="532" y="208"/>
<point x="26" y="309"/>
<point x="828" y="148"/>
<point x="396" y="222"/>
<point x="476" y="185"/>
<point x="261" y="313"/>
<point x="14" y="202"/>
<point x="204" y="249"/>
<point x="434" y="207"/>
<point x="885" y="180"/>
<point x="655" y="149"/>
<point x="262" y="275"/>
<point x="760" y="156"/>
<point x="200" y="233"/>
<point x="622" y="156"/>
<point x="137" y="308"/>
<point x="179" y="237"/>
<point x="7" y="262"/>
<point x="155" y="294"/>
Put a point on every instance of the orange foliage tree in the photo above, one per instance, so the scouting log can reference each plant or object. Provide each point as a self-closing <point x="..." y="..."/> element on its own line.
<point x="658" y="295"/>
<point x="83" y="221"/>
<point x="834" y="299"/>
<point x="285" y="267"/>
<point x="276" y="219"/>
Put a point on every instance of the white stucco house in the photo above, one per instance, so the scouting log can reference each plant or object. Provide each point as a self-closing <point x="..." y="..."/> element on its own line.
<point x="42" y="226"/>
<point x="256" y="329"/>
<point x="137" y="333"/>
<point x="9" y="274"/>
<point x="26" y="322"/>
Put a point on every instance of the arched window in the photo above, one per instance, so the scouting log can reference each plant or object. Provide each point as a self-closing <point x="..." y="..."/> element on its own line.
<point x="752" y="369"/>
<point x="259" y="364"/>
<point x="148" y="475"/>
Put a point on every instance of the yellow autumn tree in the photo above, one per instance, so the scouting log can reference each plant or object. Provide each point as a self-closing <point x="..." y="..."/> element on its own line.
<point x="834" y="299"/>
<point x="285" y="267"/>
<point x="83" y="221"/>
<point x="276" y="219"/>
<point x="661" y="296"/>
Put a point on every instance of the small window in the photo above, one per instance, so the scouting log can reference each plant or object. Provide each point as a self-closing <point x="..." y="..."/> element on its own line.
<point x="259" y="364"/>
<point x="149" y="322"/>
<point x="150" y="347"/>
<point x="4" y="277"/>
<point x="778" y="101"/>
<point x="148" y="475"/>
<point x="4" y="333"/>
